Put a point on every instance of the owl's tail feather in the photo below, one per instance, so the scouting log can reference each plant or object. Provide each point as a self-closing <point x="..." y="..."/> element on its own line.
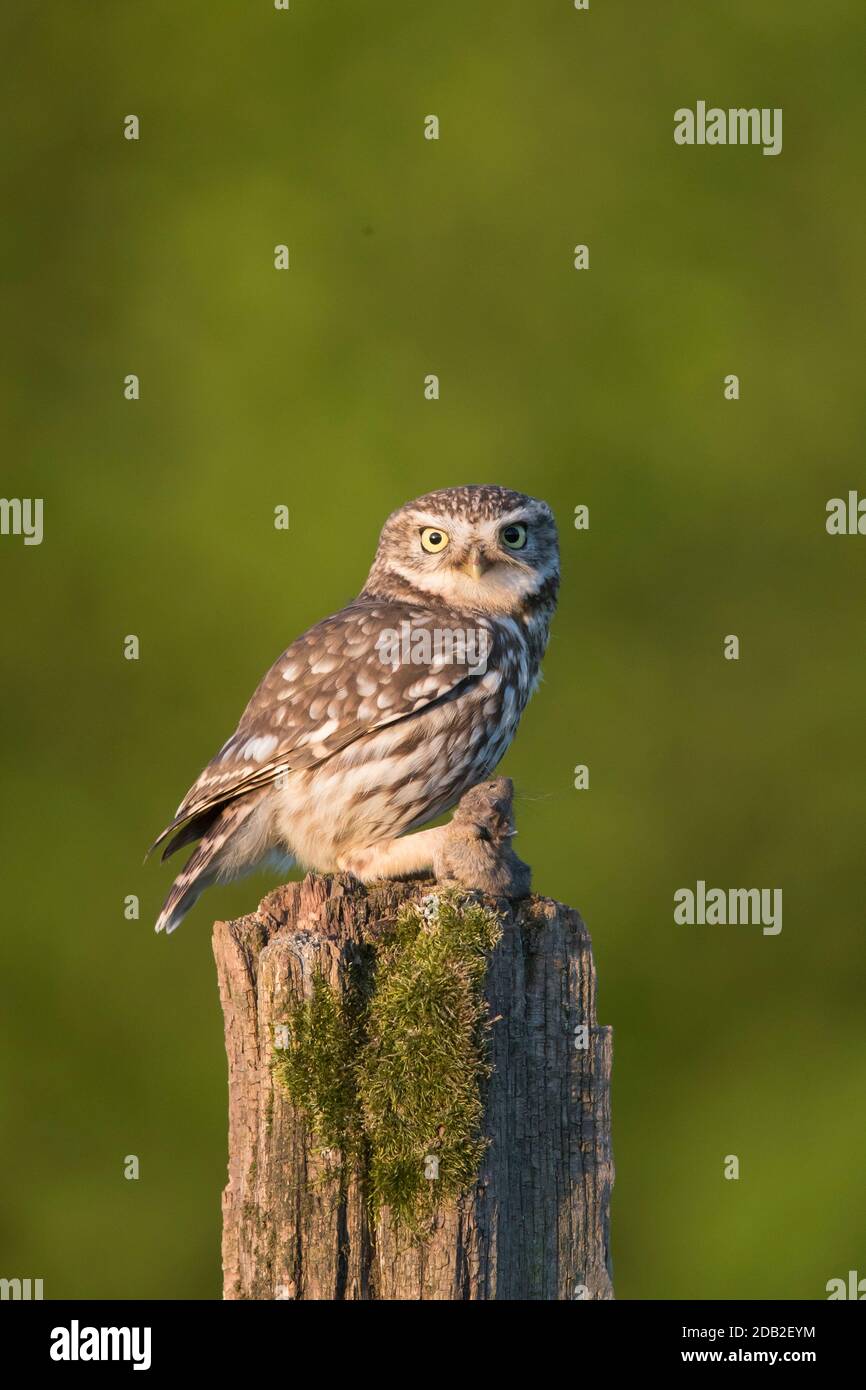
<point x="185" y="893"/>
<point x="203" y="866"/>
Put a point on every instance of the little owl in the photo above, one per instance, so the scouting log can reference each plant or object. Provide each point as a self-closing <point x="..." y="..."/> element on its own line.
<point x="380" y="717"/>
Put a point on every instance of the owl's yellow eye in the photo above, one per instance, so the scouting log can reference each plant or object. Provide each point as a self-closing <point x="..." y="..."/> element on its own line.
<point x="432" y="539"/>
<point x="514" y="536"/>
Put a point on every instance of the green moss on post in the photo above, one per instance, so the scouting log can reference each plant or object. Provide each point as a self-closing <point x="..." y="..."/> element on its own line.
<point x="317" y="1068"/>
<point x="390" y="1070"/>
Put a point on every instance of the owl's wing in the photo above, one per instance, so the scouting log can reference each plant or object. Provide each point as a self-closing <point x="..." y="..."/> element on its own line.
<point x="329" y="688"/>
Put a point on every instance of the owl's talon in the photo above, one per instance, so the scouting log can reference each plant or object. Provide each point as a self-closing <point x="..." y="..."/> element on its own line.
<point x="353" y="882"/>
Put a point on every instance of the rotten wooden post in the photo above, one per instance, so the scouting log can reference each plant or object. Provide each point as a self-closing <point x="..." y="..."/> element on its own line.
<point x="534" y="1225"/>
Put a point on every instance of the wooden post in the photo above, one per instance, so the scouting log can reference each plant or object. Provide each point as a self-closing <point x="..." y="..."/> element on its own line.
<point x="535" y="1224"/>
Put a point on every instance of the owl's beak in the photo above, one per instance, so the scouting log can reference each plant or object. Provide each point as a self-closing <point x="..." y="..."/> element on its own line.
<point x="475" y="565"/>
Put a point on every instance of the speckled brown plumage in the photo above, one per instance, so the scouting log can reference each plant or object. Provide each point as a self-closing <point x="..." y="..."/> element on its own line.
<point x="350" y="741"/>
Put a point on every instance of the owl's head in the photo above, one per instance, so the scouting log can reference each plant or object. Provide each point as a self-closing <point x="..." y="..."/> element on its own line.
<point x="481" y="548"/>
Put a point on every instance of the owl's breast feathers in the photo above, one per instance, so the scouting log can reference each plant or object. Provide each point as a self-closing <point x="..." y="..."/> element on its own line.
<point x="358" y="673"/>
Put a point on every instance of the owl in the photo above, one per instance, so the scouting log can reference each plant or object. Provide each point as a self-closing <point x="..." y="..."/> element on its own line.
<point x="380" y="717"/>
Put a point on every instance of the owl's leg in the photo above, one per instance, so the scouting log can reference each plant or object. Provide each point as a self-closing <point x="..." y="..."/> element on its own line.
<point x="408" y="854"/>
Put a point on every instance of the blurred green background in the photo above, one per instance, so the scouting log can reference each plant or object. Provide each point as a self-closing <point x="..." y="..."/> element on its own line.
<point x="602" y="387"/>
